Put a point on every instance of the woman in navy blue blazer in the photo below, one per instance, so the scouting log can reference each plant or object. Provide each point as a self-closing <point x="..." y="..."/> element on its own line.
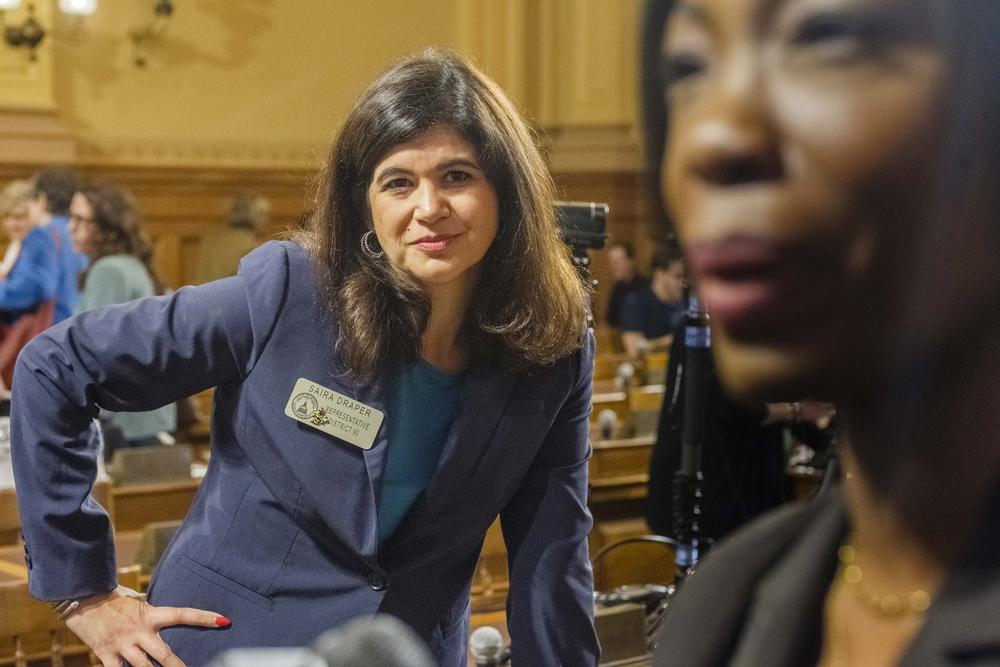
<point x="412" y="366"/>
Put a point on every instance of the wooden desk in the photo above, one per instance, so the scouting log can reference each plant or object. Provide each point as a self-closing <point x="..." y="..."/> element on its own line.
<point x="139" y="504"/>
<point x="619" y="469"/>
<point x="617" y="401"/>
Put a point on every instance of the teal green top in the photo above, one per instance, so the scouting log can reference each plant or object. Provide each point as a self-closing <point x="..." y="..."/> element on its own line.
<point x="117" y="279"/>
<point x="423" y="403"/>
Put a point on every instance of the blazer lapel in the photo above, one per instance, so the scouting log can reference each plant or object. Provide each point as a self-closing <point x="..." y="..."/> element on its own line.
<point x="375" y="396"/>
<point x="785" y="621"/>
<point x="487" y="390"/>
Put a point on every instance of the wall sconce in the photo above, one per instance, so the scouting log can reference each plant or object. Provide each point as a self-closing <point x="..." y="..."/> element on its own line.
<point x="30" y="33"/>
<point x="26" y="35"/>
<point x="153" y="30"/>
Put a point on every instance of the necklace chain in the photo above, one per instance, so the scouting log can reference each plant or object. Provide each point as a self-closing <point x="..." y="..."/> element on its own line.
<point x="852" y="577"/>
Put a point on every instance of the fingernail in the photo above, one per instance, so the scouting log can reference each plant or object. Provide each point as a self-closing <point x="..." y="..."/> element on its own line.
<point x="222" y="622"/>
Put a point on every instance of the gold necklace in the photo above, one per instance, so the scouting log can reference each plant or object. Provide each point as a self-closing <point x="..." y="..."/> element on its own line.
<point x="886" y="606"/>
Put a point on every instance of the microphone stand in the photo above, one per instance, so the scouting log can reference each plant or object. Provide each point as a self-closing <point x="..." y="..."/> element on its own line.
<point x="687" y="481"/>
<point x="688" y="478"/>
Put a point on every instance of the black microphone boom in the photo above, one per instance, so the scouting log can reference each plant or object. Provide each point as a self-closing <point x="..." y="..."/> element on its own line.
<point x="688" y="478"/>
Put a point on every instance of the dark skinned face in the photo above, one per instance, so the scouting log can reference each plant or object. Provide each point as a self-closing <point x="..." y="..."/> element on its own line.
<point x="804" y="143"/>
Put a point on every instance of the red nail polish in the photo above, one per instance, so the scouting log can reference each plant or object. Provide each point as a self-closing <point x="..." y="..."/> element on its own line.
<point x="222" y="622"/>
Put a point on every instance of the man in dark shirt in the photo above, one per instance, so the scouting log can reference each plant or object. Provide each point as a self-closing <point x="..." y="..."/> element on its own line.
<point x="650" y="315"/>
<point x="626" y="281"/>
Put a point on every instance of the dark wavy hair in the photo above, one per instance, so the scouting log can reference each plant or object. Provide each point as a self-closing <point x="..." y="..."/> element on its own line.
<point x="530" y="305"/>
<point x="118" y="227"/>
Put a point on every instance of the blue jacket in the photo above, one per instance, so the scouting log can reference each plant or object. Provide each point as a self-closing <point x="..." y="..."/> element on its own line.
<point x="282" y="536"/>
<point x="33" y="277"/>
<point x="71" y="263"/>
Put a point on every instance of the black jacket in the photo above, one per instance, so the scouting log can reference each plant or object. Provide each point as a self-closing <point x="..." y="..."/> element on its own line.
<point x="758" y="599"/>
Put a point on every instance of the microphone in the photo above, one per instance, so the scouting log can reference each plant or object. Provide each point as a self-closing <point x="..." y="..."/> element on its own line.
<point x="375" y="641"/>
<point x="486" y="646"/>
<point x="379" y="641"/>
<point x="623" y="377"/>
<point x="607" y="419"/>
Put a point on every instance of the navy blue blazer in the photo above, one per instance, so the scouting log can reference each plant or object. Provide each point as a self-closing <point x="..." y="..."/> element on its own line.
<point x="282" y="536"/>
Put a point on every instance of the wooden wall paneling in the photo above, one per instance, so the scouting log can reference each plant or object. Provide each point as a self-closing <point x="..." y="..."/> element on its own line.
<point x="181" y="205"/>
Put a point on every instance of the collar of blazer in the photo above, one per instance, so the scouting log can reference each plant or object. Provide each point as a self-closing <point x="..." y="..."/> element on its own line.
<point x="486" y="393"/>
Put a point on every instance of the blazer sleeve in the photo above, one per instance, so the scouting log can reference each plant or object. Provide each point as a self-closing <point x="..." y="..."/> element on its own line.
<point x="34" y="276"/>
<point x="550" y="608"/>
<point x="130" y="357"/>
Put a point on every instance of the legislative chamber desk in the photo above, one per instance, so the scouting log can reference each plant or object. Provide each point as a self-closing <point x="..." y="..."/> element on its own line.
<point x="13" y="573"/>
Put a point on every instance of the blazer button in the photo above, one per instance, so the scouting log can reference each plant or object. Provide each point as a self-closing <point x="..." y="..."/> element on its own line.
<point x="376" y="581"/>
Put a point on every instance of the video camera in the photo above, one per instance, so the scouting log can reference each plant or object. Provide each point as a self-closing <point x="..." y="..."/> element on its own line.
<point x="582" y="225"/>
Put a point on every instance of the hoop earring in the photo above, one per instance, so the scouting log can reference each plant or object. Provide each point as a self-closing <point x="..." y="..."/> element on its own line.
<point x="369" y="248"/>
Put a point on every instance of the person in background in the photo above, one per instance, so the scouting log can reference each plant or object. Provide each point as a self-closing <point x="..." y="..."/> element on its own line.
<point x="743" y="455"/>
<point x="53" y="190"/>
<point x="28" y="277"/>
<point x="650" y="315"/>
<point x="104" y="226"/>
<point x="831" y="168"/>
<point x="621" y="264"/>
<point x="220" y="253"/>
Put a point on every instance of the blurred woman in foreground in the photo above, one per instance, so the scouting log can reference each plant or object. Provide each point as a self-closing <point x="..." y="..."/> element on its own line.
<point x="830" y="167"/>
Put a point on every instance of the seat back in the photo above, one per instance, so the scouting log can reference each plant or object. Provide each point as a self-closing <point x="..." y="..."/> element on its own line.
<point x="10" y="522"/>
<point x="30" y="633"/>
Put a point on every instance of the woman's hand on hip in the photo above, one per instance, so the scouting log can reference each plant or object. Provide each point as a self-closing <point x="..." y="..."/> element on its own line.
<point x="121" y="625"/>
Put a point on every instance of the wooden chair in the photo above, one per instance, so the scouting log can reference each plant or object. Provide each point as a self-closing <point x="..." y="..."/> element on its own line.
<point x="30" y="634"/>
<point x="10" y="521"/>
<point x="139" y="504"/>
<point x="155" y="538"/>
<point x="656" y="367"/>
<point x="29" y="631"/>
<point x="646" y="399"/>
<point x="606" y="365"/>
<point x="644" y="407"/>
<point x="630" y="563"/>
<point x="616" y="401"/>
<point x="491" y="581"/>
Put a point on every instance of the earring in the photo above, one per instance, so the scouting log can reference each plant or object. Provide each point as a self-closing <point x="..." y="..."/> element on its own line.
<point x="371" y="248"/>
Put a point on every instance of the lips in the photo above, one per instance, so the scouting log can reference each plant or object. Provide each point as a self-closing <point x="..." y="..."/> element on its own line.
<point x="435" y="243"/>
<point x="757" y="286"/>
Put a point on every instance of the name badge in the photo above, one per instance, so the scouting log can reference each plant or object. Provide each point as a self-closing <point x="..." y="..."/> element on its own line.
<point x="333" y="413"/>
